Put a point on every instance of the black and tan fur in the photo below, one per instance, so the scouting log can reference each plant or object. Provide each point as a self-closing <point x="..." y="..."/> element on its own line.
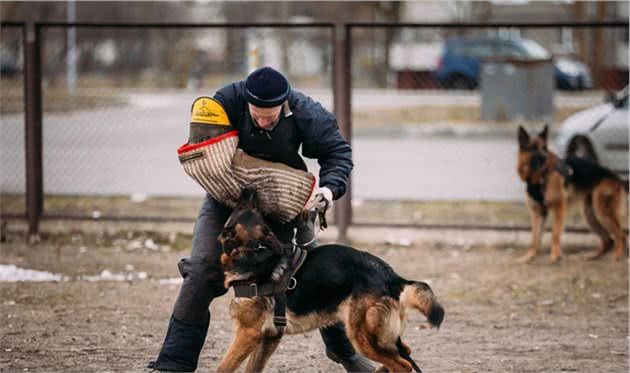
<point x="553" y="184"/>
<point x="335" y="283"/>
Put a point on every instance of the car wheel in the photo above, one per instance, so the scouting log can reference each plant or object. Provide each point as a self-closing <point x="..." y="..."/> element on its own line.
<point x="580" y="147"/>
<point x="460" y="82"/>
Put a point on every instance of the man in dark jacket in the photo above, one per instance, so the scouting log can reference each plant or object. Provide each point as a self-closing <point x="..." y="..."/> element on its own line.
<point x="273" y="121"/>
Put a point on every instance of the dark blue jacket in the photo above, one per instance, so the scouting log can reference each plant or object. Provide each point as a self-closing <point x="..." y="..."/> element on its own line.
<point x="310" y="125"/>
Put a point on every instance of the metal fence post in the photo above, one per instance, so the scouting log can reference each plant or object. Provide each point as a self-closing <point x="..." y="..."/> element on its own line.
<point x="33" y="127"/>
<point x="342" y="105"/>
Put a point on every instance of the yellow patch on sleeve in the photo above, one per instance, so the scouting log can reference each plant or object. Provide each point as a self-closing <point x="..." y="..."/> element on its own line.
<point x="206" y="110"/>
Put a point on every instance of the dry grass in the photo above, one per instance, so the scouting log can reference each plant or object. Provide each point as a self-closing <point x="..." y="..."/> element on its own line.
<point x="364" y="211"/>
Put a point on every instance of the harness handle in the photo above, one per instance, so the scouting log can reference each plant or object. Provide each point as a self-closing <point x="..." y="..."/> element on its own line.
<point x="296" y="244"/>
<point x="319" y="224"/>
<point x="321" y="213"/>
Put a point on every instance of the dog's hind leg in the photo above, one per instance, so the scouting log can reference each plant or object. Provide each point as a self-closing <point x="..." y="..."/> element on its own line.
<point x="538" y="214"/>
<point x="375" y="335"/>
<point x="597" y="228"/>
<point x="245" y="341"/>
<point x="607" y="201"/>
<point x="261" y="354"/>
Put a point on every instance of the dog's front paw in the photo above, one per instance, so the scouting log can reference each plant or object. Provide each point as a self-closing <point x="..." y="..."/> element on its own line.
<point x="527" y="258"/>
<point x="554" y="258"/>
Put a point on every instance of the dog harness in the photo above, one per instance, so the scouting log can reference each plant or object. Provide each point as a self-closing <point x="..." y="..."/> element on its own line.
<point x="277" y="290"/>
<point x="223" y="170"/>
<point x="564" y="168"/>
<point x="537" y="191"/>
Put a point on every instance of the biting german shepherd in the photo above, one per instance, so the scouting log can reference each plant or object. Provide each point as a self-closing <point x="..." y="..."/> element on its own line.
<point x="554" y="183"/>
<point x="334" y="284"/>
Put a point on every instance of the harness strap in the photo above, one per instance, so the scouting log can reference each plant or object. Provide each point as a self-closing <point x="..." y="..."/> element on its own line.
<point x="279" y="311"/>
<point x="280" y="295"/>
<point x="299" y="255"/>
<point x="537" y="191"/>
<point x="246" y="289"/>
<point x="564" y="169"/>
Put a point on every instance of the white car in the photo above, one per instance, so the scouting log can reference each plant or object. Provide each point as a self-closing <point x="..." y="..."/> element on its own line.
<point x="599" y="133"/>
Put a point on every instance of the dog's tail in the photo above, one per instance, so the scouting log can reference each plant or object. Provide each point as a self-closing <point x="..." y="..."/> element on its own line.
<point x="419" y="295"/>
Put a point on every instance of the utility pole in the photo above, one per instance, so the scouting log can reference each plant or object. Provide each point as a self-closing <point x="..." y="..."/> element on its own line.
<point x="342" y="91"/>
<point x="600" y="47"/>
<point x="284" y="38"/>
<point x="33" y="129"/>
<point x="578" y="13"/>
<point x="71" y="57"/>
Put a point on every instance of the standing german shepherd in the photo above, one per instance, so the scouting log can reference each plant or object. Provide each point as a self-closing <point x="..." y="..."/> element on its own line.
<point x="553" y="183"/>
<point x="334" y="284"/>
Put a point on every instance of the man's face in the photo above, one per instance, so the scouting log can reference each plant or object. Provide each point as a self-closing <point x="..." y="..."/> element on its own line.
<point x="265" y="117"/>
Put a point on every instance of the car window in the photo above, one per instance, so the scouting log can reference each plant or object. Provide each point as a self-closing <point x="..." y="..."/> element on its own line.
<point x="458" y="49"/>
<point x="623" y="98"/>
<point x="479" y="50"/>
<point x="535" y="50"/>
<point x="510" y="50"/>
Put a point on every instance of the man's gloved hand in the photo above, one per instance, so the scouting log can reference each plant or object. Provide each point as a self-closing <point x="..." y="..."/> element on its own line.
<point x="322" y="199"/>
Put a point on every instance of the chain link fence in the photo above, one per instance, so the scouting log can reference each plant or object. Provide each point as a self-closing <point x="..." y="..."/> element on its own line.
<point x="117" y="104"/>
<point x="12" y="159"/>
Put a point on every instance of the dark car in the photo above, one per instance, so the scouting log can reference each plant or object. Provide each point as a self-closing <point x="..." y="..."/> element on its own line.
<point x="9" y="68"/>
<point x="460" y="62"/>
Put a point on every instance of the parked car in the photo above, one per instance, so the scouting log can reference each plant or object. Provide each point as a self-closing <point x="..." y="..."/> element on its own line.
<point x="461" y="59"/>
<point x="8" y="67"/>
<point x="599" y="133"/>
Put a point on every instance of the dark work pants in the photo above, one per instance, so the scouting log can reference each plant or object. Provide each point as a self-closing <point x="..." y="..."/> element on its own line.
<point x="203" y="281"/>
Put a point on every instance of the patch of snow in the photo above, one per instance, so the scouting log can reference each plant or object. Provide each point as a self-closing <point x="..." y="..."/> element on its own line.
<point x="171" y="281"/>
<point x="138" y="197"/>
<point x="107" y="275"/>
<point x="150" y="244"/>
<point x="11" y="273"/>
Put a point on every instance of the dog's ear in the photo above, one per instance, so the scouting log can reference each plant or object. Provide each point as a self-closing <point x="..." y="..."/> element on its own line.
<point x="248" y="198"/>
<point x="523" y="138"/>
<point x="543" y="134"/>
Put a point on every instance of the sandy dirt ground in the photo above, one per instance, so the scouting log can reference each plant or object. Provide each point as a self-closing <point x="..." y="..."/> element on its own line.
<point x="500" y="317"/>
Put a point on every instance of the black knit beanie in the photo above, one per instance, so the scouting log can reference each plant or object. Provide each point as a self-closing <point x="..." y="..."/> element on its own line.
<point x="266" y="87"/>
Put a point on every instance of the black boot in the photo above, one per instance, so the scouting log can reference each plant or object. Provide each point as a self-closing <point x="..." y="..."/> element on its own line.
<point x="340" y="350"/>
<point x="181" y="348"/>
<point x="354" y="363"/>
